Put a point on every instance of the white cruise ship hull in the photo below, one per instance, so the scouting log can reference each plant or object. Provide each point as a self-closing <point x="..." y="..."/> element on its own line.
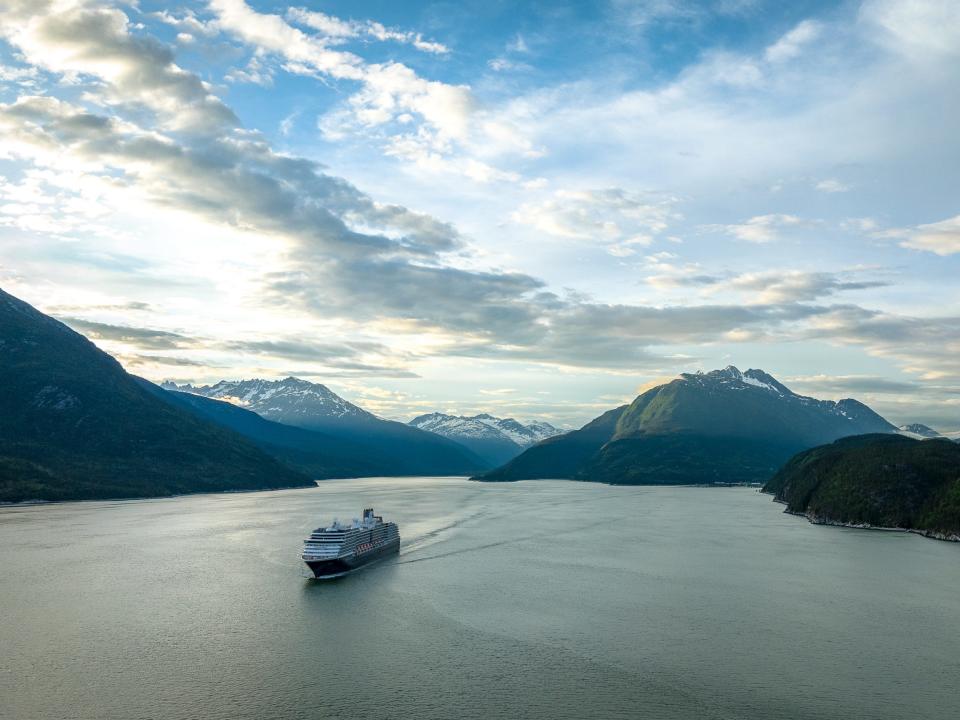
<point x="340" y="566"/>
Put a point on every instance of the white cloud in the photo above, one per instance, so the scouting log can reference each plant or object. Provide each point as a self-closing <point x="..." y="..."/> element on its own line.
<point x="831" y="186"/>
<point x="792" y="43"/>
<point x="762" y="228"/>
<point x="614" y="217"/>
<point x="795" y="285"/>
<point x="187" y="22"/>
<point x="70" y="37"/>
<point x="942" y="238"/>
<point x="334" y="29"/>
<point x="436" y="126"/>
<point x="24" y="76"/>
<point x="919" y="29"/>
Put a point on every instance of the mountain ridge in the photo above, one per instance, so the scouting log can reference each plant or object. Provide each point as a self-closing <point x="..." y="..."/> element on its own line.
<point x="724" y="426"/>
<point x="919" y="431"/>
<point x="313" y="406"/>
<point x="496" y="439"/>
<point x="75" y="426"/>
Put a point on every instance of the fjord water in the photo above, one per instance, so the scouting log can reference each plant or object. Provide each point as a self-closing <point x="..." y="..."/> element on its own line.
<point x="543" y="599"/>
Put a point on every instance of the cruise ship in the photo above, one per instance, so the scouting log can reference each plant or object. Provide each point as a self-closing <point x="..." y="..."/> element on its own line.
<point x="333" y="551"/>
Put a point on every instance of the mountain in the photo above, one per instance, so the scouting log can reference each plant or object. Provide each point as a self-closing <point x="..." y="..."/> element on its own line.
<point x="291" y="401"/>
<point x="918" y="431"/>
<point x="522" y="435"/>
<point x="718" y="427"/>
<point x="317" y="454"/>
<point x="75" y="426"/>
<point x="497" y="440"/>
<point x="877" y="480"/>
<point x="398" y="449"/>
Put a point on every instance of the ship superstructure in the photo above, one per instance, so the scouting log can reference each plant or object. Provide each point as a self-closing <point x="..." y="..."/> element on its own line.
<point x="333" y="551"/>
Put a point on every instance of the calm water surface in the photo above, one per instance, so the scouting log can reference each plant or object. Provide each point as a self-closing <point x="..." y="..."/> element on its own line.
<point x="536" y="599"/>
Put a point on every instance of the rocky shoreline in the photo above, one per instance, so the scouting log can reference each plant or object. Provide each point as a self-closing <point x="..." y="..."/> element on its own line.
<point x="819" y="520"/>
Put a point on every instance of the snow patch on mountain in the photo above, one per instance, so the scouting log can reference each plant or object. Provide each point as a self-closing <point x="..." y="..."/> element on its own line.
<point x="918" y="431"/>
<point x="487" y="427"/>
<point x="280" y="400"/>
<point x="731" y="378"/>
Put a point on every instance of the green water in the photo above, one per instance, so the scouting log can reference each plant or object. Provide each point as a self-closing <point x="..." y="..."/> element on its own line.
<point x="526" y="600"/>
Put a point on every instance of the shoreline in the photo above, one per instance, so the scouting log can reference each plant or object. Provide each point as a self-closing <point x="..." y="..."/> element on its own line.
<point x="818" y="520"/>
<point x="317" y="483"/>
<point x="34" y="503"/>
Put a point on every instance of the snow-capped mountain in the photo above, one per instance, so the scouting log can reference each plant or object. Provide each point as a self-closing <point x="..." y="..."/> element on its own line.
<point x="493" y="438"/>
<point x="522" y="435"/>
<point x="918" y="431"/>
<point x="291" y="401"/>
<point x="720" y="426"/>
<point x="852" y="415"/>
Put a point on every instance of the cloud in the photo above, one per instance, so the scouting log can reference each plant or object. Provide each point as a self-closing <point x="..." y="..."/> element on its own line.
<point x="920" y="29"/>
<point x="139" y="337"/>
<point x="336" y="30"/>
<point x="23" y="76"/>
<point x="850" y="385"/>
<point x="762" y="228"/>
<point x="140" y="361"/>
<point x="133" y="305"/>
<point x="387" y="90"/>
<point x="639" y="15"/>
<point x="831" y="186"/>
<point x="286" y="125"/>
<point x="356" y="357"/>
<point x="792" y="43"/>
<point x="794" y="286"/>
<point x="235" y="179"/>
<point x="439" y="127"/>
<point x="345" y="258"/>
<point x="900" y="401"/>
<point x="927" y="347"/>
<point x="942" y="238"/>
<point x="187" y="22"/>
<point x="761" y="287"/>
<point x="613" y="217"/>
<point x="70" y="37"/>
<point x="353" y="358"/>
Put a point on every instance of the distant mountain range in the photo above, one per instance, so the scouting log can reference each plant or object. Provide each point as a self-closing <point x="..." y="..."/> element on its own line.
<point x="360" y="439"/>
<point x="74" y="425"/>
<point x="319" y="455"/>
<point x="724" y="426"/>
<point x="877" y="480"/>
<point x="494" y="439"/>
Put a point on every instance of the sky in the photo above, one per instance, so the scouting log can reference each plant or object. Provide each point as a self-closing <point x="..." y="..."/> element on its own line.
<point x="533" y="209"/>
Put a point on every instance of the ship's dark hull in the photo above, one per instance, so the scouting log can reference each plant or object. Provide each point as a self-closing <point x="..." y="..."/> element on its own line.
<point x="329" y="569"/>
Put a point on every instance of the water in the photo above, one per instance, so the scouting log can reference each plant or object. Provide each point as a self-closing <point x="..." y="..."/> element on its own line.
<point x="535" y="599"/>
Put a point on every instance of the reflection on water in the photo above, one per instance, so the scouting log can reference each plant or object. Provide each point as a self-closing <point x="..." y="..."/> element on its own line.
<point x="535" y="599"/>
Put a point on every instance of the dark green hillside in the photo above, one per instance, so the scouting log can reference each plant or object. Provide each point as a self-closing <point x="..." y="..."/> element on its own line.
<point x="882" y="480"/>
<point x="685" y="459"/>
<point x="74" y="425"/>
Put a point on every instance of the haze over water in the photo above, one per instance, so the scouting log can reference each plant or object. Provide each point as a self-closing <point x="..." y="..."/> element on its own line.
<point x="538" y="599"/>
